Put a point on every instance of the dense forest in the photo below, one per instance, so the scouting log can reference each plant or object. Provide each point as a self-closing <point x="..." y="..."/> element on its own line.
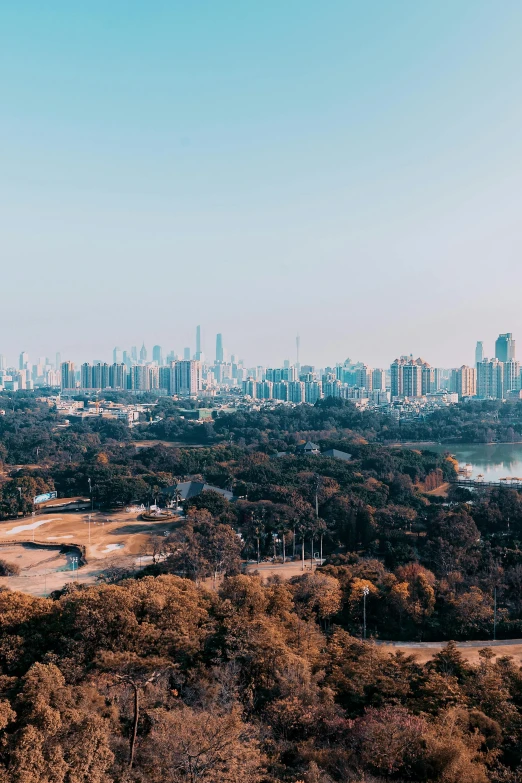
<point x="190" y="670"/>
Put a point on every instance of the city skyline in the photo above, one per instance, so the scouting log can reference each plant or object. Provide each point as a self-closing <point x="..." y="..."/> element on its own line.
<point x="219" y="350"/>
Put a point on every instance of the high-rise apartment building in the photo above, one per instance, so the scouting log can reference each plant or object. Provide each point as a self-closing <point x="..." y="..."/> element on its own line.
<point x="117" y="356"/>
<point x="378" y="379"/>
<point x="23" y="362"/>
<point x="187" y="376"/>
<point x="219" y="349"/>
<point x="479" y="352"/>
<point x="465" y="382"/>
<point x="490" y="379"/>
<point x="68" y="380"/>
<point x="411" y="377"/>
<point x="250" y="388"/>
<point x="140" y="377"/>
<point x="186" y="354"/>
<point x="505" y="347"/>
<point x="363" y="377"/>
<point x="511" y="376"/>
<point x="118" y="376"/>
<point x="396" y="377"/>
<point x="313" y="391"/>
<point x="264" y="390"/>
<point x="296" y="391"/>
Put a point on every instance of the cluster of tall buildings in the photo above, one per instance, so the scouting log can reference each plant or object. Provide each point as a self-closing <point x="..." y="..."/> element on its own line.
<point x="190" y="374"/>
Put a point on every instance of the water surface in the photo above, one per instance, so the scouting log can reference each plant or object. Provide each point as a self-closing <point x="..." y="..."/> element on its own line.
<point x="493" y="461"/>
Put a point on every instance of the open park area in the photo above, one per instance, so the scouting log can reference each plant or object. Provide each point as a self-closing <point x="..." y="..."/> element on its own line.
<point x="47" y="549"/>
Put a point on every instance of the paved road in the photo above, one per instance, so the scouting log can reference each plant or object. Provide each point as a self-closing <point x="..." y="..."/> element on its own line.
<point x="439" y="645"/>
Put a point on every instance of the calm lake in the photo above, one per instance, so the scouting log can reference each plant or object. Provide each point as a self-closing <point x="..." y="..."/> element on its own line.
<point x="494" y="461"/>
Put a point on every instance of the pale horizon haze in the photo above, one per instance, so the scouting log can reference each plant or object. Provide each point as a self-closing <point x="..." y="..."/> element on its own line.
<point x="349" y="172"/>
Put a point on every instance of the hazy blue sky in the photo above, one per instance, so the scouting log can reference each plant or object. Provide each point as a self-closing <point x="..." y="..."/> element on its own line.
<point x="347" y="170"/>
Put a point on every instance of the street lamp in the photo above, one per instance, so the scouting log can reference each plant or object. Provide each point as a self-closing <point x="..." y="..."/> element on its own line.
<point x="365" y="592"/>
<point x="74" y="561"/>
<point x="90" y="492"/>
<point x="89" y="528"/>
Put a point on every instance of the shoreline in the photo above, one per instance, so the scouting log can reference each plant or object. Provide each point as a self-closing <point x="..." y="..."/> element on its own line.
<point x="427" y="443"/>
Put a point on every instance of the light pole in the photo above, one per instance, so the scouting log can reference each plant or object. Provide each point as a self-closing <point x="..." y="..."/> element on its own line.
<point x="74" y="561"/>
<point x="495" y="616"/>
<point x="365" y="593"/>
<point x="90" y="492"/>
<point x="20" y="492"/>
<point x="89" y="528"/>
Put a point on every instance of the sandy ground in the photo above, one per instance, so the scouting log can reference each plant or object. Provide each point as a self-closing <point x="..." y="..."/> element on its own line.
<point x="440" y="492"/>
<point x="424" y="652"/>
<point x="286" y="571"/>
<point x="115" y="539"/>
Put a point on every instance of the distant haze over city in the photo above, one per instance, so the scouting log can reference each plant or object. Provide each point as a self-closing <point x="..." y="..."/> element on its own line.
<point x="347" y="172"/>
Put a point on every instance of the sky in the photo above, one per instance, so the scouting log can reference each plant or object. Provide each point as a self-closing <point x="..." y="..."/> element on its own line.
<point x="350" y="172"/>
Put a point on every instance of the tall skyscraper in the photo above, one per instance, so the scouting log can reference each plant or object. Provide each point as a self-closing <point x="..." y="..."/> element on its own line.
<point x="117" y="356"/>
<point x="23" y="361"/>
<point x="219" y="348"/>
<point x="186" y="354"/>
<point x="134" y="354"/>
<point x="505" y="347"/>
<point x="58" y="362"/>
<point x="157" y="355"/>
<point x="3" y="363"/>
<point x="479" y="352"/>
<point x="143" y="354"/>
<point x="198" y="343"/>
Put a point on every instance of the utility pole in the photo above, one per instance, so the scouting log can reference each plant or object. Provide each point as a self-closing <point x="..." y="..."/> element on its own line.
<point x="495" y="615"/>
<point x="365" y="593"/>
<point x="89" y="528"/>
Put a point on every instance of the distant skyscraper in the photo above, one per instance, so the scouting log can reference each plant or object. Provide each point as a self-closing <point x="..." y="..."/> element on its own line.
<point x="219" y="348"/>
<point x="198" y="343"/>
<point x="157" y="355"/>
<point x="117" y="357"/>
<point x="143" y="354"/>
<point x="186" y="354"/>
<point x="58" y="362"/>
<point x="3" y="363"/>
<point x="24" y="361"/>
<point x="505" y="347"/>
<point x="134" y="354"/>
<point x="479" y="352"/>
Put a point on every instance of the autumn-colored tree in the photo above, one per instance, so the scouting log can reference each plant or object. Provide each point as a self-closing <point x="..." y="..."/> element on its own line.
<point x="197" y="746"/>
